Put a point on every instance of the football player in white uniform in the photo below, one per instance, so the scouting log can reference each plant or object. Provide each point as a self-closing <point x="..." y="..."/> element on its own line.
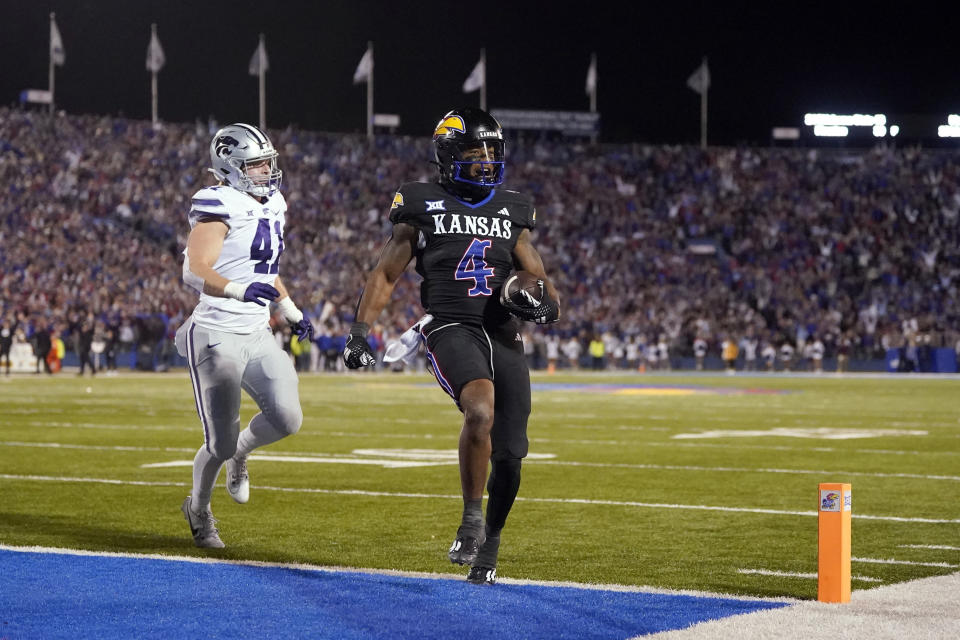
<point x="233" y="258"/>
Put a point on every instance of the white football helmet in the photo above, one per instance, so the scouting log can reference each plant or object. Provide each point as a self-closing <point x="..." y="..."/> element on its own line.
<point x="237" y="146"/>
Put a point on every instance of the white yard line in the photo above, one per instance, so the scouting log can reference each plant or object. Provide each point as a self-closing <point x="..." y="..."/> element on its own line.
<point x="669" y="467"/>
<point x="109" y="427"/>
<point x="386" y="463"/>
<point x="790" y="574"/>
<point x="453" y="435"/>
<point x="714" y="445"/>
<point x="284" y="456"/>
<point x="94" y="447"/>
<point x="929" y="546"/>
<point x="394" y="494"/>
<point x="943" y="565"/>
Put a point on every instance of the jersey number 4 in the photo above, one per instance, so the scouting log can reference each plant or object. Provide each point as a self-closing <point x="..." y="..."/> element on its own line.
<point x="473" y="266"/>
<point x="262" y="247"/>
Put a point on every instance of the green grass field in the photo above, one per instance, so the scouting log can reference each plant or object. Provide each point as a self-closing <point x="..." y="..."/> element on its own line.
<point x="609" y="501"/>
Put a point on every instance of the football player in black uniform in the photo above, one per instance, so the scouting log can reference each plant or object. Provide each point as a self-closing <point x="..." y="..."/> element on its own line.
<point x="467" y="236"/>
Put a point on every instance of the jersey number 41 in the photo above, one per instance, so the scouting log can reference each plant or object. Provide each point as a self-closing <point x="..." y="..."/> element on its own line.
<point x="262" y="248"/>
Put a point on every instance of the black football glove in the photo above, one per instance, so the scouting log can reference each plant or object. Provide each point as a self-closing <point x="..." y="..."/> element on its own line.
<point x="358" y="353"/>
<point x="541" y="311"/>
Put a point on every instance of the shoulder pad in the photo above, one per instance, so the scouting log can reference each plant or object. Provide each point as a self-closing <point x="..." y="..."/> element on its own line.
<point x="409" y="200"/>
<point x="522" y="204"/>
<point x="210" y="202"/>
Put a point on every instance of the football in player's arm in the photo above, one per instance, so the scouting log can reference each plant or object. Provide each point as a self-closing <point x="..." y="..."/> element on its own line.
<point x="232" y="259"/>
<point x="467" y="236"/>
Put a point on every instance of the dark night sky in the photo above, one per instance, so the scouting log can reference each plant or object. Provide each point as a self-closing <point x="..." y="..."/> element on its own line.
<point x="770" y="62"/>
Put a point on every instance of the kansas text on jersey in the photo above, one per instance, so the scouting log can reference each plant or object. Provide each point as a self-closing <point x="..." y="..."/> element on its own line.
<point x="465" y="250"/>
<point x="251" y="253"/>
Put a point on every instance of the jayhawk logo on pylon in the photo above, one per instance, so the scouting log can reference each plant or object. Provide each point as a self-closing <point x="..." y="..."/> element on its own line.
<point x="448" y="124"/>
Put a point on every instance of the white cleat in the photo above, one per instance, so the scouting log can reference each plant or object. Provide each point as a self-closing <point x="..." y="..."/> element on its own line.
<point x="203" y="527"/>
<point x="238" y="480"/>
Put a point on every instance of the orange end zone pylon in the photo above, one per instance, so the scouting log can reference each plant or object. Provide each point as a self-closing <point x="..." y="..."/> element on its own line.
<point x="833" y="546"/>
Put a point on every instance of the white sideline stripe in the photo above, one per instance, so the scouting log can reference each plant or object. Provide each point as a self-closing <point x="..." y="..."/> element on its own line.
<point x="929" y="546"/>
<point x="394" y="494"/>
<point x="945" y="565"/>
<point x="790" y="574"/>
<point x="390" y="572"/>
<point x="922" y="608"/>
<point x="333" y="458"/>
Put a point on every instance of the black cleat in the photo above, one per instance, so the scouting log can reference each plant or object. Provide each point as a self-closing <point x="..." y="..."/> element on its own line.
<point x="465" y="548"/>
<point x="487" y="556"/>
<point x="482" y="575"/>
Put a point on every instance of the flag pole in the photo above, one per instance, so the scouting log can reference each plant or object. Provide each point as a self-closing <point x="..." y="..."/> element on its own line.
<point x="370" y="93"/>
<point x="593" y="93"/>
<point x="51" y="76"/>
<point x="703" y="110"/>
<point x="263" y="84"/>
<point x="483" y="79"/>
<point x="153" y="79"/>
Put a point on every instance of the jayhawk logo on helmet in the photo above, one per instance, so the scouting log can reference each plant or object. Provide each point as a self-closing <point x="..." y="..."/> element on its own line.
<point x="449" y="124"/>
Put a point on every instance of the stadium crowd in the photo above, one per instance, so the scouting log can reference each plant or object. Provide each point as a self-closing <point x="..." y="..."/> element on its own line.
<point x="658" y="251"/>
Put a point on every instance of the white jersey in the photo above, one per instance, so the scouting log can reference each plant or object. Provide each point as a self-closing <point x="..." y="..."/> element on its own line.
<point x="251" y="253"/>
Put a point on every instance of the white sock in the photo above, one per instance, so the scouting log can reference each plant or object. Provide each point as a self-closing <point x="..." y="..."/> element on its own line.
<point x="206" y="468"/>
<point x="259" y="433"/>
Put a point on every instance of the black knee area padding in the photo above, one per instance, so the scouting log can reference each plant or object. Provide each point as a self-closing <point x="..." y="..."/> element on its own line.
<point x="502" y="487"/>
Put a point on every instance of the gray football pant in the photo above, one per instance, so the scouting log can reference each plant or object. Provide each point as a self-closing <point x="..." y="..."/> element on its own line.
<point x="221" y="364"/>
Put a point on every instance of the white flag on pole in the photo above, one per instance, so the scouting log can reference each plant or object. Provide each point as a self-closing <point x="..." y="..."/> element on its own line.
<point x="57" y="53"/>
<point x="364" y="68"/>
<point x="259" y="60"/>
<point x="475" y="80"/>
<point x="699" y="80"/>
<point x="155" y="57"/>
<point x="592" y="77"/>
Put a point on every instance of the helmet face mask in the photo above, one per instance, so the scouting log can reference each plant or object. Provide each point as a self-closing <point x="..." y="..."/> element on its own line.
<point x="243" y="157"/>
<point x="479" y="164"/>
<point x="469" y="152"/>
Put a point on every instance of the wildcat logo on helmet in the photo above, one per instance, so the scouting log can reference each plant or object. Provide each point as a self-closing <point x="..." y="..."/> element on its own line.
<point x="397" y="201"/>
<point x="448" y="125"/>
<point x="225" y="145"/>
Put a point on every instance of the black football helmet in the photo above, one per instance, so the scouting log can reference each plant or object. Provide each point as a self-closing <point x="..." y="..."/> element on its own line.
<point x="469" y="151"/>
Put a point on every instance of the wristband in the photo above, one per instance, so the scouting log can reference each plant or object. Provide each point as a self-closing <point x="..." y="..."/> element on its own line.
<point x="290" y="310"/>
<point x="360" y="329"/>
<point x="234" y="290"/>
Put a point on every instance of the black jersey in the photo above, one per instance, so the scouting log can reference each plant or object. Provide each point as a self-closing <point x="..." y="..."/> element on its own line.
<point x="464" y="250"/>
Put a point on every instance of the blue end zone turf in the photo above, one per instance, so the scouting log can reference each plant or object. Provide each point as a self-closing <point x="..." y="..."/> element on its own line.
<point x="69" y="596"/>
